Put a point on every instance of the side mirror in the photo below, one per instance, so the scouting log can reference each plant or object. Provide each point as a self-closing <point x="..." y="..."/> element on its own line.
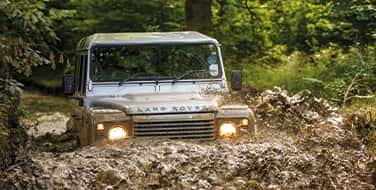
<point x="236" y="80"/>
<point x="68" y="85"/>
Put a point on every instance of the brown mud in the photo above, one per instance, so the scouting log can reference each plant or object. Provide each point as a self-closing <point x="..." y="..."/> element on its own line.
<point x="302" y="143"/>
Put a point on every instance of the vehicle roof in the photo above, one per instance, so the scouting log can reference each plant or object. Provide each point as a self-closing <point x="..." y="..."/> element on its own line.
<point x="144" y="38"/>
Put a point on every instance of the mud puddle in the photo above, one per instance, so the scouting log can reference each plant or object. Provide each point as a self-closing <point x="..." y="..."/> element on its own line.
<point x="302" y="143"/>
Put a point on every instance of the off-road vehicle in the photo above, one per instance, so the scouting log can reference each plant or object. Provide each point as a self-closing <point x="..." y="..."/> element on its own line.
<point x="156" y="85"/>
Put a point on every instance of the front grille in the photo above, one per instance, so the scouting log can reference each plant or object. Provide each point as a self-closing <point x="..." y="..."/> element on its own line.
<point x="176" y="126"/>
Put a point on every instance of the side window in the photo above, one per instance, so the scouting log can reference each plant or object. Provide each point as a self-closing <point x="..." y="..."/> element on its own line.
<point x="83" y="59"/>
<point x="77" y="75"/>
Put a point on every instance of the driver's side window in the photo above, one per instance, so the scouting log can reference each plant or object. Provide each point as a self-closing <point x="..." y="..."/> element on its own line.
<point x="80" y="74"/>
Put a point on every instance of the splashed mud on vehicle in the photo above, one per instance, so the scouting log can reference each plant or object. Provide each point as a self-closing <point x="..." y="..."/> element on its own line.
<point x="291" y="151"/>
<point x="153" y="84"/>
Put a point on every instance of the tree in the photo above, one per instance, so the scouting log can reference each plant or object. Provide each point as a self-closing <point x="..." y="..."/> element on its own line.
<point x="94" y="16"/>
<point x="198" y="15"/>
<point x="26" y="37"/>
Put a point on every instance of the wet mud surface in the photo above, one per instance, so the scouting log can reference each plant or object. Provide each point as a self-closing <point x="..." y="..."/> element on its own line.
<point x="302" y="143"/>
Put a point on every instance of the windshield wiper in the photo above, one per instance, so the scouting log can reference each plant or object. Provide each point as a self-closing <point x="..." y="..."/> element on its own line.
<point x="188" y="74"/>
<point x="134" y="76"/>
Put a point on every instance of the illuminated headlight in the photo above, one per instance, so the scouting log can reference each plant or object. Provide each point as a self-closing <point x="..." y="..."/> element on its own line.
<point x="244" y="122"/>
<point x="100" y="127"/>
<point x="227" y="130"/>
<point x="117" y="133"/>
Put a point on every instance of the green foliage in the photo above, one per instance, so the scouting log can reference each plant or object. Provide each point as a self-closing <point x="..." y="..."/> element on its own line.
<point x="300" y="24"/>
<point x="354" y="22"/>
<point x="127" y="16"/>
<point x="324" y="45"/>
<point x="349" y="73"/>
<point x="249" y="29"/>
<point x="331" y="73"/>
<point x="241" y="27"/>
<point x="289" y="73"/>
<point x="27" y="33"/>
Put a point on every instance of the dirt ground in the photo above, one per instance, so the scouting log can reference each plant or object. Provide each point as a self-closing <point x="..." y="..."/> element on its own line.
<point x="54" y="123"/>
<point x="302" y="143"/>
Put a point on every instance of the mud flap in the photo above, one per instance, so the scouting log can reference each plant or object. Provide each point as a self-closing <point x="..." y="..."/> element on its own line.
<point x="252" y="126"/>
<point x="82" y="130"/>
<point x="86" y="133"/>
<point x="252" y="129"/>
<point x="82" y="137"/>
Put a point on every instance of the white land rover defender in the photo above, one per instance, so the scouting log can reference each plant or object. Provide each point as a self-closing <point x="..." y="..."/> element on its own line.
<point x="158" y="85"/>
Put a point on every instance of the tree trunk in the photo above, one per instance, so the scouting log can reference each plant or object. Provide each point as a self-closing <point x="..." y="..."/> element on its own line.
<point x="198" y="15"/>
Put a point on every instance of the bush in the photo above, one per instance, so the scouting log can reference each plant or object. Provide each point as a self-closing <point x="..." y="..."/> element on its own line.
<point x="331" y="73"/>
<point x="348" y="74"/>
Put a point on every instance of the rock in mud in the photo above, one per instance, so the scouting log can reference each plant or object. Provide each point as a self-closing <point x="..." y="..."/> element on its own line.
<point x="276" y="109"/>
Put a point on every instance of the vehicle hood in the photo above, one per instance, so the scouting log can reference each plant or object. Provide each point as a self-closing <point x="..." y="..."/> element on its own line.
<point x="158" y="103"/>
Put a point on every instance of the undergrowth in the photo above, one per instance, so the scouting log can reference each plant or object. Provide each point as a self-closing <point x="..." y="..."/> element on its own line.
<point x="341" y="76"/>
<point x="34" y="102"/>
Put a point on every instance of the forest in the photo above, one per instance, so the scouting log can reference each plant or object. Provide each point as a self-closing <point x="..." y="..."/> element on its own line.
<point x="327" y="47"/>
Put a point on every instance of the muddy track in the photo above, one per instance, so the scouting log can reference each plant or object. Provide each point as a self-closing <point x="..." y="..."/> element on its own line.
<point x="302" y="143"/>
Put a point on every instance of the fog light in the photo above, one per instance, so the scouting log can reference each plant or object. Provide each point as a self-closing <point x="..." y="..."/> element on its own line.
<point x="117" y="133"/>
<point x="100" y="127"/>
<point x="244" y="122"/>
<point x="227" y="130"/>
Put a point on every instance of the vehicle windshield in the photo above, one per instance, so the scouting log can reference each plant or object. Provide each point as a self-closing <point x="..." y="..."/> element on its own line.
<point x="155" y="62"/>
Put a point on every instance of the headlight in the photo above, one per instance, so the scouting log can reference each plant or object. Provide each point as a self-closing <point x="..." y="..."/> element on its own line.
<point x="244" y="122"/>
<point x="100" y="127"/>
<point x="227" y="130"/>
<point x="117" y="133"/>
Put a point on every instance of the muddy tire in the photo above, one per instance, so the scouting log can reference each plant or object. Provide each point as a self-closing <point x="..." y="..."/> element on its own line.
<point x="252" y="127"/>
<point x="83" y="139"/>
